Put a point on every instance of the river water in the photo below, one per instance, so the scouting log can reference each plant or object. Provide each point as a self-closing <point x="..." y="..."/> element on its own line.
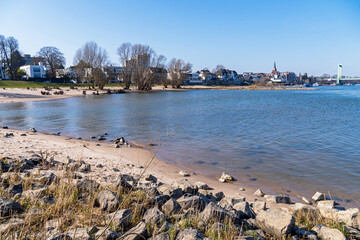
<point x="295" y="142"/>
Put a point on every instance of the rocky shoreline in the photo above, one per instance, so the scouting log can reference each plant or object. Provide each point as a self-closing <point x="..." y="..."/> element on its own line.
<point x="56" y="194"/>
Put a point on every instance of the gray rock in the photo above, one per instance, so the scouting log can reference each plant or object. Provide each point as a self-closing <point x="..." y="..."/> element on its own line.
<point x="201" y="185"/>
<point x="32" y="130"/>
<point x="351" y="217"/>
<point x="152" y="192"/>
<point x="352" y="232"/>
<point x="189" y="234"/>
<point x="259" y="205"/>
<point x="59" y="236"/>
<point x="107" y="200"/>
<point x="275" y="221"/>
<point x="161" y="236"/>
<point x="9" y="207"/>
<point x="123" y="180"/>
<point x="184" y="174"/>
<point x="107" y="235"/>
<point x="216" y="213"/>
<point x="139" y="232"/>
<point x="318" y="196"/>
<point x="195" y="202"/>
<point x="278" y="198"/>
<point x="154" y="216"/>
<point x="15" y="189"/>
<point x="330" y="204"/>
<point x="185" y="186"/>
<point x="305" y="234"/>
<point x="159" y="201"/>
<point x="326" y="233"/>
<point x="173" y="192"/>
<point x="219" y="195"/>
<point x="120" y="218"/>
<point x="259" y="193"/>
<point x="47" y="178"/>
<point x="87" y="185"/>
<point x="244" y="211"/>
<point x="34" y="194"/>
<point x="305" y="200"/>
<point x="226" y="178"/>
<point x="11" y="223"/>
<point x="171" y="207"/>
<point x="85" y="168"/>
<point x="79" y="234"/>
<point x="151" y="178"/>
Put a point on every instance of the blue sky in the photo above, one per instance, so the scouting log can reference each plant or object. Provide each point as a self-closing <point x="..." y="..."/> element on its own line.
<point x="301" y="36"/>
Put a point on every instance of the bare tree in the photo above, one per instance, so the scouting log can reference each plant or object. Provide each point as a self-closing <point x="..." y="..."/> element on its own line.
<point x="90" y="59"/>
<point x="137" y="61"/>
<point x="218" y="68"/>
<point x="8" y="46"/>
<point x="177" y="69"/>
<point x="54" y="59"/>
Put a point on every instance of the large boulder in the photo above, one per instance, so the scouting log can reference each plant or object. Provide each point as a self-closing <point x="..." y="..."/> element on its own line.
<point x="173" y="192"/>
<point x="190" y="234"/>
<point x="275" y="221"/>
<point x="171" y="207"/>
<point x="9" y="207"/>
<point x="154" y="216"/>
<point x="139" y="232"/>
<point x="195" y="202"/>
<point x="244" y="210"/>
<point x="351" y="217"/>
<point x="216" y="213"/>
<point x="107" y="235"/>
<point x="159" y="201"/>
<point x="185" y="186"/>
<point x="120" y="218"/>
<point x="329" y="204"/>
<point x="107" y="200"/>
<point x="326" y="233"/>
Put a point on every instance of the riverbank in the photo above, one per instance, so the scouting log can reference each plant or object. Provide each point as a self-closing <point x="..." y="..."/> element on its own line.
<point x="27" y="94"/>
<point x="36" y="164"/>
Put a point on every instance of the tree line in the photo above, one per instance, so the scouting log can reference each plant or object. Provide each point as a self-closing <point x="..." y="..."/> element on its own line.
<point x="141" y="65"/>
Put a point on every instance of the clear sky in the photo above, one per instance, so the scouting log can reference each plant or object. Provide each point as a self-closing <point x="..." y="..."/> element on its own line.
<point x="310" y="36"/>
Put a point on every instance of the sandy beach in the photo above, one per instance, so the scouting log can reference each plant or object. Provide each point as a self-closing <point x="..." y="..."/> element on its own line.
<point x="125" y="160"/>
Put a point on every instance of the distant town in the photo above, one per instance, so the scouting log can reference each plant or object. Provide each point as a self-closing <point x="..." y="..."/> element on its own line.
<point x="140" y="66"/>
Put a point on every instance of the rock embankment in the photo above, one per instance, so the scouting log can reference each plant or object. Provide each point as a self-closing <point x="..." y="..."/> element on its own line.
<point x="42" y="198"/>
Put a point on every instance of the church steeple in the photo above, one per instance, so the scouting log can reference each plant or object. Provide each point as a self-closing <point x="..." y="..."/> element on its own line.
<point x="275" y="66"/>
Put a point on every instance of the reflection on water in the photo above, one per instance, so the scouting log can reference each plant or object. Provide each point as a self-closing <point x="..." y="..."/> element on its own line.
<point x="296" y="139"/>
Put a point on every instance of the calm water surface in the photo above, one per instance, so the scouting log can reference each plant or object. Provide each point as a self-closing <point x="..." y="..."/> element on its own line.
<point x="299" y="140"/>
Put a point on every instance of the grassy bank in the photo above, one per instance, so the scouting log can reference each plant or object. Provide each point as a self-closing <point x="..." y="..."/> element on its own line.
<point x="29" y="84"/>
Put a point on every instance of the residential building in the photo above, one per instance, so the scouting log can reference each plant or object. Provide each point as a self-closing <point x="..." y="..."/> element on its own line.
<point x="228" y="77"/>
<point x="35" y="71"/>
<point x="28" y="59"/>
<point x="194" y="79"/>
<point x="2" y="72"/>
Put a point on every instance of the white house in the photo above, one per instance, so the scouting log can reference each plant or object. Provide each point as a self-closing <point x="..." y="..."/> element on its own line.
<point x="193" y="78"/>
<point x="35" y="71"/>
